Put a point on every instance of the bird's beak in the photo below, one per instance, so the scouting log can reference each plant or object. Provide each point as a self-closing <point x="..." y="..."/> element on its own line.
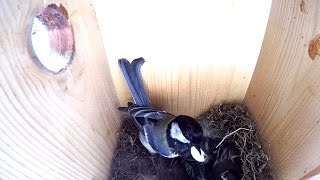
<point x="198" y="154"/>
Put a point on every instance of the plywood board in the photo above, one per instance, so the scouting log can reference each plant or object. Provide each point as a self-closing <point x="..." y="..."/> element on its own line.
<point x="197" y="54"/>
<point x="54" y="126"/>
<point x="284" y="92"/>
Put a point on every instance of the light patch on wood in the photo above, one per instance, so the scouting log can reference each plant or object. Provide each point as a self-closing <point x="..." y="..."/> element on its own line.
<point x="52" y="38"/>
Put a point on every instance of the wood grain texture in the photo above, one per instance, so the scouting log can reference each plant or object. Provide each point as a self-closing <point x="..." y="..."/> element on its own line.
<point x="284" y="91"/>
<point x="54" y="126"/>
<point x="198" y="54"/>
<point x="313" y="174"/>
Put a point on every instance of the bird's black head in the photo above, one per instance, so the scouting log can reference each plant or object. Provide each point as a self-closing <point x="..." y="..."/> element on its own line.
<point x="190" y="128"/>
<point x="185" y="136"/>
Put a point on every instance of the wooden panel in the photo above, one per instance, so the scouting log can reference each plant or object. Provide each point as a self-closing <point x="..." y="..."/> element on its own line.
<point x="54" y="126"/>
<point x="284" y="92"/>
<point x="313" y="175"/>
<point x="197" y="53"/>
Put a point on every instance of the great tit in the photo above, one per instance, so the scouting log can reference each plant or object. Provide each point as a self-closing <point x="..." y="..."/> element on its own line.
<point x="160" y="132"/>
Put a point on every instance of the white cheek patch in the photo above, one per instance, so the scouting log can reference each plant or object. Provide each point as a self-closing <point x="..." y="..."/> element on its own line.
<point x="198" y="156"/>
<point x="175" y="133"/>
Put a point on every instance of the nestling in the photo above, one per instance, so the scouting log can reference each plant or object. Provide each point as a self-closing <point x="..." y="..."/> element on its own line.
<point x="223" y="164"/>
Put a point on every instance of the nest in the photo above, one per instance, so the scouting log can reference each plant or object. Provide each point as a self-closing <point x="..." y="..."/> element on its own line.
<point x="132" y="161"/>
<point x="233" y="123"/>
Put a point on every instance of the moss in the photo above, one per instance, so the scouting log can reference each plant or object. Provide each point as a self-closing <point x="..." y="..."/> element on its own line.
<point x="234" y="120"/>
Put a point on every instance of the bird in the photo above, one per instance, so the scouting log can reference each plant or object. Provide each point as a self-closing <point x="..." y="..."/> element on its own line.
<point x="223" y="162"/>
<point x="228" y="164"/>
<point x="160" y="132"/>
<point x="203" y="170"/>
<point x="171" y="169"/>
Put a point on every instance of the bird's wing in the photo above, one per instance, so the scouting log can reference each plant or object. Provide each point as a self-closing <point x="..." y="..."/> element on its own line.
<point x="146" y="112"/>
<point x="157" y="140"/>
<point x="143" y="115"/>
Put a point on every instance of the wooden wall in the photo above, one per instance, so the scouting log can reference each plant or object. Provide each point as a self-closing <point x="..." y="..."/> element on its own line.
<point x="64" y="126"/>
<point x="284" y="93"/>
<point x="198" y="54"/>
<point x="54" y="126"/>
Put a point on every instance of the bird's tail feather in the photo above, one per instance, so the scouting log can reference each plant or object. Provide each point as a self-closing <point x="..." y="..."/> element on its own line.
<point x="132" y="74"/>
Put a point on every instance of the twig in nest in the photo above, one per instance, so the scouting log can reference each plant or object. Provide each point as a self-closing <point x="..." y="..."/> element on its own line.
<point x="230" y="134"/>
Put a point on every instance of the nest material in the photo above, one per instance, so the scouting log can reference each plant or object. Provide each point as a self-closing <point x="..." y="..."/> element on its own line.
<point x="233" y="122"/>
<point x="132" y="161"/>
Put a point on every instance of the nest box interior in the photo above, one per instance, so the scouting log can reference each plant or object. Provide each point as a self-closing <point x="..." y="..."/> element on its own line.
<point x="64" y="125"/>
